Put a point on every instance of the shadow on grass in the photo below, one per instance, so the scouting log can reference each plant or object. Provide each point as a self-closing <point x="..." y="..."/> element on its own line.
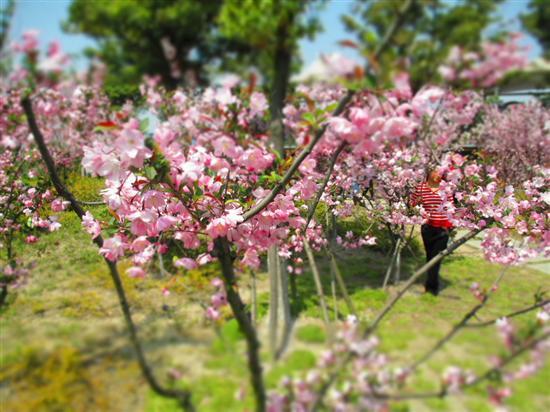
<point x="363" y="271"/>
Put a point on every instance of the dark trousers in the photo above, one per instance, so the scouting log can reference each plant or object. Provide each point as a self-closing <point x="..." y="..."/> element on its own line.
<point x="435" y="240"/>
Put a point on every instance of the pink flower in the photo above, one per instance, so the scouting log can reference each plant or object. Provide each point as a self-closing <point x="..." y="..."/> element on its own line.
<point x="258" y="103"/>
<point x="166" y="222"/>
<point x="219" y="226"/>
<point x="91" y="225"/>
<point x="31" y="239"/>
<point x="251" y="258"/>
<point x="217" y="282"/>
<point x="212" y="313"/>
<point x="186" y="263"/>
<point x="218" y="299"/>
<point x="30" y="41"/>
<point x="402" y="86"/>
<point x="100" y="160"/>
<point x="399" y="126"/>
<point x="113" y="248"/>
<point x="59" y="205"/>
<point x="226" y="146"/>
<point x="256" y="160"/>
<point x="471" y="170"/>
<point x="131" y="146"/>
<point x="135" y="272"/>
<point x="344" y="129"/>
<point x="139" y="244"/>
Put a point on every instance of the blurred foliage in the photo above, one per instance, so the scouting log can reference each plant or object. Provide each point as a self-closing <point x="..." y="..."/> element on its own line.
<point x="262" y="29"/>
<point x="537" y="22"/>
<point x="429" y="30"/>
<point x="118" y="94"/>
<point x="7" y="9"/>
<point x="207" y="36"/>
<point x="129" y="36"/>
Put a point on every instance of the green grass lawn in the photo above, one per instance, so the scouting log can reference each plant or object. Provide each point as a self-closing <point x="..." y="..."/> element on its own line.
<point x="64" y="346"/>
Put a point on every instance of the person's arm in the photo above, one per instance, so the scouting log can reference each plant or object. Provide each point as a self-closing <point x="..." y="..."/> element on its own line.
<point x="416" y="197"/>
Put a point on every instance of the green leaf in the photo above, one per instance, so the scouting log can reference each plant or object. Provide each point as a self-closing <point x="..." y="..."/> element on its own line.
<point x="144" y="125"/>
<point x="310" y="118"/>
<point x="331" y="107"/>
<point x="150" y="172"/>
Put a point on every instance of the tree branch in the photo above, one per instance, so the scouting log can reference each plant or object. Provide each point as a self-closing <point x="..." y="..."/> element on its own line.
<point x="450" y="249"/>
<point x="297" y="162"/>
<point x="484" y="376"/>
<point x="389" y="306"/>
<point x="184" y="397"/>
<point x="388" y="36"/>
<point x="509" y="315"/>
<point x="237" y="306"/>
<point x="313" y="207"/>
<point x="469" y="315"/>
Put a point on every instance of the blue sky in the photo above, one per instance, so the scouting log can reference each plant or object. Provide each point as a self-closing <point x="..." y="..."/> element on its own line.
<point x="47" y="15"/>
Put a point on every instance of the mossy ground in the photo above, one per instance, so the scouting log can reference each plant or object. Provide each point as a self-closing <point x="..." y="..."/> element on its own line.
<point x="64" y="345"/>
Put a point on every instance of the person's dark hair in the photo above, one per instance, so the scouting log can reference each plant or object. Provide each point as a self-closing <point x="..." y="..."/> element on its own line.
<point x="430" y="167"/>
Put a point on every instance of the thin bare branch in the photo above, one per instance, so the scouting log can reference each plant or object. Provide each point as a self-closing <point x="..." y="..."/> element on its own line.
<point x="509" y="315"/>
<point x="460" y="325"/>
<point x="318" y="284"/>
<point x="482" y="377"/>
<point x="389" y="306"/>
<point x="416" y="275"/>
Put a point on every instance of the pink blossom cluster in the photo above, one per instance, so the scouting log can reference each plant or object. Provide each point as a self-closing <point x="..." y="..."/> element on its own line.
<point x="484" y="68"/>
<point x="368" y="375"/>
<point x="514" y="339"/>
<point x="523" y="129"/>
<point x="217" y="301"/>
<point x="193" y="178"/>
<point x="46" y="71"/>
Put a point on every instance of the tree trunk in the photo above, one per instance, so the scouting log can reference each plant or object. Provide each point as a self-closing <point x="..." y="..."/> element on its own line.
<point x="272" y="268"/>
<point x="279" y="300"/>
<point x="318" y="284"/>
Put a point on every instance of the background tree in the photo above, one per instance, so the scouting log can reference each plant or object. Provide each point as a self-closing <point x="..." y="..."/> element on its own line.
<point x="184" y="42"/>
<point x="270" y="30"/>
<point x="537" y="23"/>
<point x="429" y="30"/>
<point x="6" y="13"/>
<point x="169" y="38"/>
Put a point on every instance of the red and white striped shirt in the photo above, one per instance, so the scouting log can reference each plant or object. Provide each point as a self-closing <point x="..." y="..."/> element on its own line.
<point x="432" y="202"/>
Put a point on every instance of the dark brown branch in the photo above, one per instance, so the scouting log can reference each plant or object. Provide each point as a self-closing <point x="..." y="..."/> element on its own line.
<point x="85" y="203"/>
<point x="321" y="190"/>
<point x="297" y="162"/>
<point x="223" y="253"/>
<point x="184" y="397"/>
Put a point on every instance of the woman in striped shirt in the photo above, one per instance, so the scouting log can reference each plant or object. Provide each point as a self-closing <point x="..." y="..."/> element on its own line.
<point x="435" y="231"/>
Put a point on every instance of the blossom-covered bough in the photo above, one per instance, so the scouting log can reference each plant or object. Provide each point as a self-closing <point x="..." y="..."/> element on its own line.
<point x="206" y="186"/>
<point x="28" y="205"/>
